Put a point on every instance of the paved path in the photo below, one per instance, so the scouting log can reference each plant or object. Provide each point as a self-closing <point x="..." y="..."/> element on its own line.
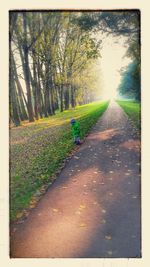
<point x="93" y="209"/>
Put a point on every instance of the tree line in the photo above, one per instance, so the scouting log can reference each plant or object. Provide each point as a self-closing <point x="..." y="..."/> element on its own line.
<point x="54" y="58"/>
<point x="53" y="53"/>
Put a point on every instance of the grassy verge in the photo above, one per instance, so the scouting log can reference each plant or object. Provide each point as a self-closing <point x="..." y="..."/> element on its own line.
<point x="37" y="152"/>
<point x="133" y="110"/>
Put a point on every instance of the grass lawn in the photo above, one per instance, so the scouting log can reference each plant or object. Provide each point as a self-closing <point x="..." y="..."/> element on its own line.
<point x="37" y="152"/>
<point x="133" y="110"/>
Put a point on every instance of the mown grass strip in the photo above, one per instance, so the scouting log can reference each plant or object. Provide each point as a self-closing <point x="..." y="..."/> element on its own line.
<point x="133" y="110"/>
<point x="38" y="150"/>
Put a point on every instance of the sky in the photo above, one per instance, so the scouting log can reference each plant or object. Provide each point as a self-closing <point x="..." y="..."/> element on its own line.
<point x="111" y="61"/>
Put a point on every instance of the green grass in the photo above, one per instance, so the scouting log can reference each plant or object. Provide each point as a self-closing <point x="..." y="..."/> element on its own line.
<point x="37" y="152"/>
<point x="133" y="110"/>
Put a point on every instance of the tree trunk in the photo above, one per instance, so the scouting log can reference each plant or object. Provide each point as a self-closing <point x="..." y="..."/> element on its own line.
<point x="66" y="97"/>
<point x="24" y="115"/>
<point x="26" y="69"/>
<point x="13" y="96"/>
<point x="73" y="104"/>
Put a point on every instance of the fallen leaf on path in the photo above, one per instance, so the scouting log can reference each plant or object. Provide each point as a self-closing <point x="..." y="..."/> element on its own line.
<point x="109" y="252"/>
<point x="32" y="206"/>
<point x="64" y="187"/>
<point x="78" y="212"/>
<point x="76" y="157"/>
<point x="83" y="225"/>
<point x="103" y="221"/>
<point x="82" y="207"/>
<point x="26" y="213"/>
<point x="74" y="180"/>
<point x="19" y="215"/>
<point x="110" y="178"/>
<point x="110" y="193"/>
<point x="85" y="185"/>
<point x="95" y="203"/>
<point x="94" y="181"/>
<point x="95" y="172"/>
<point x="55" y="210"/>
<point x="103" y="210"/>
<point x="85" y="193"/>
<point x="111" y="171"/>
<point x="134" y="196"/>
<point x="108" y="237"/>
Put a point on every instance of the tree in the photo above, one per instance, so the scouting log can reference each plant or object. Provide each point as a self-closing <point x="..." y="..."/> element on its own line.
<point x="130" y="83"/>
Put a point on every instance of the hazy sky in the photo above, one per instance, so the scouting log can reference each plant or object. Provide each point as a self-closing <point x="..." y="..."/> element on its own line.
<point x="112" y="61"/>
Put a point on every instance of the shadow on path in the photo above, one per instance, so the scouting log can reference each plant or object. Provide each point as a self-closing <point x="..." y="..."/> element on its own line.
<point x="93" y="208"/>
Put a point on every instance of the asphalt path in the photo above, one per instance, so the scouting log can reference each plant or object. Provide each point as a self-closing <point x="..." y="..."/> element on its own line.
<point x="93" y="209"/>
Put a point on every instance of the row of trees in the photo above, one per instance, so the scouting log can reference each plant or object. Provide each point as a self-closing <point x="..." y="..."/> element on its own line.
<point x="54" y="58"/>
<point x="51" y="54"/>
<point x="130" y="86"/>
